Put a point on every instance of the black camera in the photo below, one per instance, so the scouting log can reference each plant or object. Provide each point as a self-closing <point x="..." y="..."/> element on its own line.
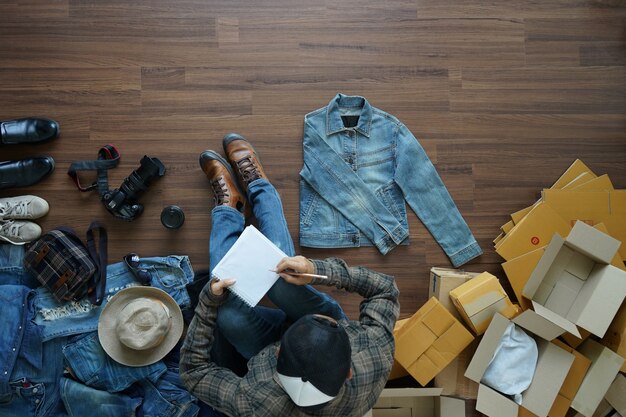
<point x="122" y="202"/>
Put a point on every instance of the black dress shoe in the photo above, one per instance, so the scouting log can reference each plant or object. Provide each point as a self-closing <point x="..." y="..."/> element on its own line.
<point x="31" y="130"/>
<point x="25" y="172"/>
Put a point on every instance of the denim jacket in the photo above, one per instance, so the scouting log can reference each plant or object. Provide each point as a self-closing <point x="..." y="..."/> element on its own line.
<point x="360" y="165"/>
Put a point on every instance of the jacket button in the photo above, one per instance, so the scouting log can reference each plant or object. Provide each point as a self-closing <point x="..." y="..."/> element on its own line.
<point x="354" y="239"/>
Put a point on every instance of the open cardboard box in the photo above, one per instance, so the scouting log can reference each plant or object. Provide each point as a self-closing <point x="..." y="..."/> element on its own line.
<point x="573" y="283"/>
<point x="553" y="365"/>
<point x="444" y="280"/>
<point x="416" y="402"/>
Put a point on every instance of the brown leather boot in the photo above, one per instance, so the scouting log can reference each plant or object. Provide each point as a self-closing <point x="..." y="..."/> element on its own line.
<point x="243" y="158"/>
<point x="225" y="188"/>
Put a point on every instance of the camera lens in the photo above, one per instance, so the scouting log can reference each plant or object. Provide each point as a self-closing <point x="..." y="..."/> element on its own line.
<point x="172" y="217"/>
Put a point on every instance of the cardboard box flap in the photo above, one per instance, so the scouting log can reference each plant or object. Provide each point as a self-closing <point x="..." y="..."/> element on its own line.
<point x="605" y="365"/>
<point x="491" y="403"/>
<point x="483" y="302"/>
<point x="559" y="321"/>
<point x="539" y="325"/>
<point x="616" y="394"/>
<point x="604" y="292"/>
<point x="486" y="348"/>
<point x="544" y="264"/>
<point x="411" y="392"/>
<point x="553" y="365"/>
<point x="592" y="242"/>
<point x="451" y="407"/>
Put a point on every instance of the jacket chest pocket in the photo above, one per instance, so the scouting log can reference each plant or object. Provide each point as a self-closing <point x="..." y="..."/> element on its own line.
<point x="374" y="158"/>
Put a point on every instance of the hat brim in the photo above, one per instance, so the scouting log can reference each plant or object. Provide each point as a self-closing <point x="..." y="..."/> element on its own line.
<point x="121" y="353"/>
<point x="303" y="394"/>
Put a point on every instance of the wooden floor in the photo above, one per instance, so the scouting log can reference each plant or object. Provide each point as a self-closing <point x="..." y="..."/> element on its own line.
<point x="502" y="95"/>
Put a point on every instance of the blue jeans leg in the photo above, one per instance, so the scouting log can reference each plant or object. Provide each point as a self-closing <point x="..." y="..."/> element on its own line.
<point x="295" y="300"/>
<point x="251" y="329"/>
<point x="248" y="329"/>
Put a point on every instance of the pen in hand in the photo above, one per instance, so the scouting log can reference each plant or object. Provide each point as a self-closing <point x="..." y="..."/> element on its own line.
<point x="300" y="274"/>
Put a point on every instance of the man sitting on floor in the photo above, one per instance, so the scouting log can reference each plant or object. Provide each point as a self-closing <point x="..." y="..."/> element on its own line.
<point x="323" y="364"/>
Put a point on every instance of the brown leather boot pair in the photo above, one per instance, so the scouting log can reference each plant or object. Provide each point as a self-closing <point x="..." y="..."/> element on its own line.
<point x="230" y="185"/>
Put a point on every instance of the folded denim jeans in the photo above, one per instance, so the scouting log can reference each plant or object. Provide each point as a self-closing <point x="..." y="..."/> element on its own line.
<point x="91" y="365"/>
<point x="171" y="274"/>
<point x="81" y="400"/>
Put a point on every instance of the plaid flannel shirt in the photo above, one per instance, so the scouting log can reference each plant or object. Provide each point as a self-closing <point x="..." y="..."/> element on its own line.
<point x="258" y="392"/>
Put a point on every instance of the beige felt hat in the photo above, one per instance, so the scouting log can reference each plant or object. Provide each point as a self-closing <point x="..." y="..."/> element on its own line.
<point x="140" y="325"/>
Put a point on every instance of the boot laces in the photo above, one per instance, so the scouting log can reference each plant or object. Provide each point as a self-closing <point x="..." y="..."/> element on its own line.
<point x="9" y="228"/>
<point x="14" y="209"/>
<point x="248" y="169"/>
<point x="220" y="190"/>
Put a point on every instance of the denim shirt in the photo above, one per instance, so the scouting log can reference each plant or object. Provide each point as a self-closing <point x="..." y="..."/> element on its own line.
<point x="360" y="165"/>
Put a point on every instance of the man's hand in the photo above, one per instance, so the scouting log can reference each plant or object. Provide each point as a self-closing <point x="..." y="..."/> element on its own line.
<point x="295" y="264"/>
<point x="217" y="285"/>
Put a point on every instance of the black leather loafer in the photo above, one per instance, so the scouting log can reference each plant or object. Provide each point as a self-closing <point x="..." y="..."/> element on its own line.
<point x="25" y="172"/>
<point x="30" y="130"/>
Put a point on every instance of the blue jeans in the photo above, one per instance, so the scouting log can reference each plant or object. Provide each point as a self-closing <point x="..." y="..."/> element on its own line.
<point x="91" y="365"/>
<point x="248" y="329"/>
<point x="171" y="274"/>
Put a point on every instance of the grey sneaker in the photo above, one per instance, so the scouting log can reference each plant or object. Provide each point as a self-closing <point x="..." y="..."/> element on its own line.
<point x="23" y="207"/>
<point x="19" y="232"/>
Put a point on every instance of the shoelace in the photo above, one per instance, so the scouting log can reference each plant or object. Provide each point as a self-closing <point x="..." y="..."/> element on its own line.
<point x="248" y="169"/>
<point x="19" y="209"/>
<point x="10" y="229"/>
<point x="220" y="190"/>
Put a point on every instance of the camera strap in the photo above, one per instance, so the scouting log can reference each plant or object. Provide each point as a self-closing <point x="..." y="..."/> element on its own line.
<point x="108" y="157"/>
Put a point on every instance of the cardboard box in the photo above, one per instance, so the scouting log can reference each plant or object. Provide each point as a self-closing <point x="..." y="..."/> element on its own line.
<point x="592" y="207"/>
<point x="615" y="336"/>
<point x="572" y="382"/>
<point x="605" y="364"/>
<point x="397" y="370"/>
<point x="534" y="231"/>
<point x="479" y="299"/>
<point x="518" y="271"/>
<point x="429" y="341"/>
<point x="574" y="341"/>
<point x="573" y="283"/>
<point x="452" y="379"/>
<point x="601" y="183"/>
<point x="444" y="280"/>
<point x="507" y="227"/>
<point x="553" y="365"/>
<point x="577" y="168"/>
<point x="416" y="402"/>
<point x="616" y="395"/>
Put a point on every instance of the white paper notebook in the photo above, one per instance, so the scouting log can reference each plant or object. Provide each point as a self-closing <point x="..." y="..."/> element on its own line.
<point x="250" y="261"/>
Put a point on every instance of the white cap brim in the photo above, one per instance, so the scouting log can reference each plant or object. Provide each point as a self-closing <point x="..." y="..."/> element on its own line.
<point x="304" y="394"/>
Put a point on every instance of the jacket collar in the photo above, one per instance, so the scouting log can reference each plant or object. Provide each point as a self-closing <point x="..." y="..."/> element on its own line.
<point x="334" y="123"/>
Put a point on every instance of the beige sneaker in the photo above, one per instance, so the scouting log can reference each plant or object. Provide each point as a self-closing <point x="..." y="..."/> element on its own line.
<point x="19" y="232"/>
<point x="23" y="207"/>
